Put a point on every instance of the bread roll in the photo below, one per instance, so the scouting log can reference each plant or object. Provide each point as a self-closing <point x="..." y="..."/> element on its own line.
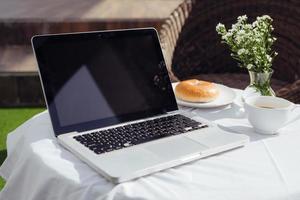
<point x="196" y="91"/>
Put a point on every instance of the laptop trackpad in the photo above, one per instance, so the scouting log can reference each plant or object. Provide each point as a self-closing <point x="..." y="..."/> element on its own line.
<point x="174" y="148"/>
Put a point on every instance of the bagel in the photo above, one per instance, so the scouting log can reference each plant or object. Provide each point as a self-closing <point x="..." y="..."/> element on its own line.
<point x="196" y="91"/>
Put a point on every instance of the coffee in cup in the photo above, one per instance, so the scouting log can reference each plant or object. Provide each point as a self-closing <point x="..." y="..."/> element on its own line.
<point x="268" y="114"/>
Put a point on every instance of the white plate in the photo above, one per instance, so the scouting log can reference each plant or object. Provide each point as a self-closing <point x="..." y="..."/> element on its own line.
<point x="226" y="96"/>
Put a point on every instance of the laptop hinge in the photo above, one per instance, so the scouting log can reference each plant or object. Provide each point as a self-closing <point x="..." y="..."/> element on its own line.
<point x="173" y="112"/>
<point x="72" y="132"/>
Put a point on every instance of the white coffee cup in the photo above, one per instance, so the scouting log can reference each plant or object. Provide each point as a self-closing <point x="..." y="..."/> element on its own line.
<point x="268" y="114"/>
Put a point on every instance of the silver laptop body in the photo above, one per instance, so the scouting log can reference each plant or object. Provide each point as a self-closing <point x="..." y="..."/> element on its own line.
<point x="78" y="75"/>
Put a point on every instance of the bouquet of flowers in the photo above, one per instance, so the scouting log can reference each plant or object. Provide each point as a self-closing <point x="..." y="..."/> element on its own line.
<point x="250" y="44"/>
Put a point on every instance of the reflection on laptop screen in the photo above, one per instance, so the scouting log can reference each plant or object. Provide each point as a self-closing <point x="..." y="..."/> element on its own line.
<point x="93" y="80"/>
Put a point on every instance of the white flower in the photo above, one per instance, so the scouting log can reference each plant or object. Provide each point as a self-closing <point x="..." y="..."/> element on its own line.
<point x="242" y="51"/>
<point x="241" y="32"/>
<point x="269" y="58"/>
<point x="238" y="39"/>
<point x="234" y="28"/>
<point x="220" y="27"/>
<point x="249" y="66"/>
<point x="254" y="24"/>
<point x="247" y="26"/>
<point x="242" y="18"/>
<point x="227" y="36"/>
<point x="266" y="17"/>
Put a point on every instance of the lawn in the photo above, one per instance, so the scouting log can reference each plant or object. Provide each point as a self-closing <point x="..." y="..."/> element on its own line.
<point x="11" y="118"/>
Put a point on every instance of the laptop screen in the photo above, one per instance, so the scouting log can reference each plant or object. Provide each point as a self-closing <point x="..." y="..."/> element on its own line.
<point x="96" y="79"/>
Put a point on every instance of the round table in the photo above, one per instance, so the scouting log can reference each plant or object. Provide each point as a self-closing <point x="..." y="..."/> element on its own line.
<point x="38" y="168"/>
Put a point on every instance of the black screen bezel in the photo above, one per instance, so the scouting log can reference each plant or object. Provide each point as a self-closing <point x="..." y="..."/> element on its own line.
<point x="37" y="41"/>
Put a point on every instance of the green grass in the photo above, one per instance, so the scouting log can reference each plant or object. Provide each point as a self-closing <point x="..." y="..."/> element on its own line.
<point x="11" y="118"/>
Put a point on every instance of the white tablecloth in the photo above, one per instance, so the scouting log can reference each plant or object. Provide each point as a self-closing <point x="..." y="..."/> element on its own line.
<point x="38" y="168"/>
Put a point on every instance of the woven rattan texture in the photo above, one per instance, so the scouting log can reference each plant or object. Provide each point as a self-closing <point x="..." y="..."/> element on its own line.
<point x="235" y="80"/>
<point x="192" y="46"/>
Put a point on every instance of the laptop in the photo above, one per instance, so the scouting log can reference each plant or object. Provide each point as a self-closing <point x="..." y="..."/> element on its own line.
<point x="111" y="104"/>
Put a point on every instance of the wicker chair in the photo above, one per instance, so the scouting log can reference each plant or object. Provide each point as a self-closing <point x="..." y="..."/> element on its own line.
<point x="192" y="47"/>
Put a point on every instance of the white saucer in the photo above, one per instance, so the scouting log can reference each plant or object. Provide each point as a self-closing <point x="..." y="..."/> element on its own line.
<point x="227" y="96"/>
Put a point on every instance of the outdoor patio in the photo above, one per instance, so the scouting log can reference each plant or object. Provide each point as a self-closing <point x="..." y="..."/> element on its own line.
<point x="213" y="114"/>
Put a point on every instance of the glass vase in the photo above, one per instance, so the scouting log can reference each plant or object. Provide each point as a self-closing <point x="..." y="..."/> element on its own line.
<point x="260" y="85"/>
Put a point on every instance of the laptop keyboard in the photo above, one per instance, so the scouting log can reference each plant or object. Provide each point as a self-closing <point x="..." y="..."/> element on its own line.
<point x="133" y="134"/>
